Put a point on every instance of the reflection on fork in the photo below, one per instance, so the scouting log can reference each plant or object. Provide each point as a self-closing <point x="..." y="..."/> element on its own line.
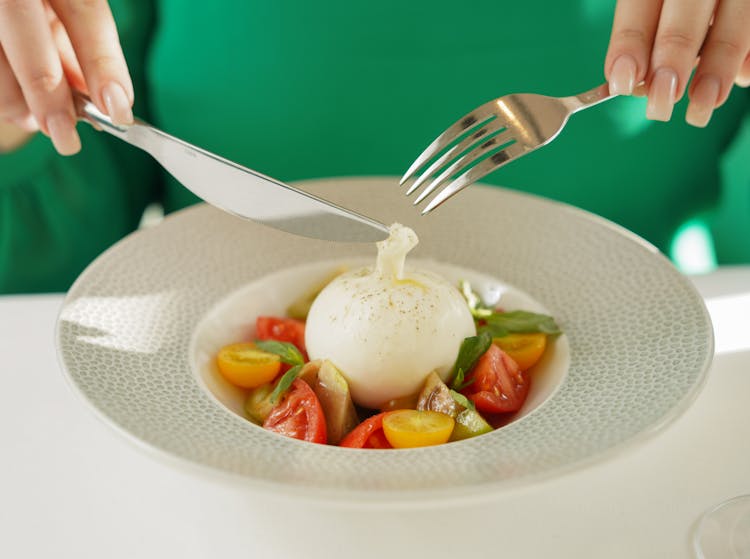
<point x="489" y="137"/>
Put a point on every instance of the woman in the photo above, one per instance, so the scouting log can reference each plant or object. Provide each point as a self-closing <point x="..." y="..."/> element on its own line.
<point x="297" y="90"/>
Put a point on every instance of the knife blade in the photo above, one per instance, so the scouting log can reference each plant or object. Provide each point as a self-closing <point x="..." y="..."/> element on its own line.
<point x="236" y="189"/>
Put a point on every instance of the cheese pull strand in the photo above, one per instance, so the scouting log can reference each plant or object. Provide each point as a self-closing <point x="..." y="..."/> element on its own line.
<point x="392" y="251"/>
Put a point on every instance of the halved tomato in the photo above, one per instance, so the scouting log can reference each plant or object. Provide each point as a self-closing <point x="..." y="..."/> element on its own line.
<point x="299" y="415"/>
<point x="414" y="428"/>
<point x="282" y="330"/>
<point x="368" y="434"/>
<point x="497" y="383"/>
<point x="245" y="365"/>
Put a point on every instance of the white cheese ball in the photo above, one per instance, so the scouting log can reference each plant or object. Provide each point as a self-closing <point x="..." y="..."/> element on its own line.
<point x="386" y="332"/>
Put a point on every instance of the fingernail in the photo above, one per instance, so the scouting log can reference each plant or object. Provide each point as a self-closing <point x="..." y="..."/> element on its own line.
<point x="116" y="101"/>
<point x="703" y="101"/>
<point x="62" y="131"/>
<point x="661" y="95"/>
<point x="27" y="123"/>
<point x="622" y="76"/>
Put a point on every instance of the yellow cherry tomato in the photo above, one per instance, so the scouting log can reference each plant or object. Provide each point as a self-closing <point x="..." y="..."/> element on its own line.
<point x="524" y="349"/>
<point x="412" y="428"/>
<point x="246" y="366"/>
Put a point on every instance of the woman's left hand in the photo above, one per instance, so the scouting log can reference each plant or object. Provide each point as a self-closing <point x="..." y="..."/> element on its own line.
<point x="659" y="42"/>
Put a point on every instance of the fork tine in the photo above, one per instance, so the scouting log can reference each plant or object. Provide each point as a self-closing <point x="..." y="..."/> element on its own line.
<point x="495" y="161"/>
<point x="491" y="128"/>
<point x="468" y="158"/>
<point x="478" y="116"/>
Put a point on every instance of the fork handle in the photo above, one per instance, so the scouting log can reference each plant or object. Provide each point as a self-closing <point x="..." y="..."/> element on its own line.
<point x="588" y="98"/>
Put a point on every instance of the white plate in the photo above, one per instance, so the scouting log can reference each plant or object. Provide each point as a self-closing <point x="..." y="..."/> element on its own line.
<point x="639" y="336"/>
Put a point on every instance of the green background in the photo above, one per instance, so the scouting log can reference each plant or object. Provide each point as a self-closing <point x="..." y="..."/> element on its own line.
<point x="300" y="89"/>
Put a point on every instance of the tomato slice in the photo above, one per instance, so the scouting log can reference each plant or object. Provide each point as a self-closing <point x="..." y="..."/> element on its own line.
<point x="414" y="428"/>
<point x="368" y="434"/>
<point x="299" y="415"/>
<point x="246" y="366"/>
<point x="282" y="330"/>
<point x="499" y="385"/>
<point x="524" y="349"/>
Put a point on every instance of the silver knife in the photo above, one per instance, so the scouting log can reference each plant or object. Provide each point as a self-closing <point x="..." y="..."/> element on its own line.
<point x="236" y="189"/>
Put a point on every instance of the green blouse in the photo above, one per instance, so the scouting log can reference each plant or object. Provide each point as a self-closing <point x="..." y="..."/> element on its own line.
<point x="300" y="89"/>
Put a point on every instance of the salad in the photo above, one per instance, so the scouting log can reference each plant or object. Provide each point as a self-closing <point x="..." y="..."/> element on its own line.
<point x="380" y="357"/>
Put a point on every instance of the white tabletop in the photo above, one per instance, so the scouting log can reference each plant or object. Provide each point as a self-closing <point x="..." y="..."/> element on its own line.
<point x="72" y="488"/>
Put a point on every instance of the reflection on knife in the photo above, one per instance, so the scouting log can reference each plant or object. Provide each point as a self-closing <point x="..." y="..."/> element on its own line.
<point x="239" y="190"/>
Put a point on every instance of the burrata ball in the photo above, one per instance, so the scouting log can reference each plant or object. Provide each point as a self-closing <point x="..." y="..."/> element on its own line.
<point x="387" y="329"/>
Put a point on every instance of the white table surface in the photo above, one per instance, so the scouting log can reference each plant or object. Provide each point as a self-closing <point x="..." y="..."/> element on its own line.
<point x="72" y="488"/>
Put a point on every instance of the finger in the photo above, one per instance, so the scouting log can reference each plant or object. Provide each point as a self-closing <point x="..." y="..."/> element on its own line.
<point x="12" y="104"/>
<point x="722" y="58"/>
<point x="93" y="34"/>
<point x="682" y="28"/>
<point x="36" y="65"/>
<point x="71" y="67"/>
<point x="629" y="52"/>
<point x="743" y="76"/>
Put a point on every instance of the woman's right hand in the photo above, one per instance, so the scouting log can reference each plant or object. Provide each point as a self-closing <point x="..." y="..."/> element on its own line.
<point x="48" y="47"/>
<point x="661" y="42"/>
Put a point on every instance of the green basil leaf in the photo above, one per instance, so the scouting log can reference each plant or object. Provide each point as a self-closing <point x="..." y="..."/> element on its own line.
<point x="284" y="383"/>
<point x="501" y="324"/>
<point x="471" y="349"/>
<point x="288" y="353"/>
<point x="462" y="400"/>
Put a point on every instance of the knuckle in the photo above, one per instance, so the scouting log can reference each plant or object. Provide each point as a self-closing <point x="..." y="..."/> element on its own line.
<point x="44" y="81"/>
<point x="677" y="40"/>
<point x="102" y="63"/>
<point x="726" y="48"/>
<point x="631" y="35"/>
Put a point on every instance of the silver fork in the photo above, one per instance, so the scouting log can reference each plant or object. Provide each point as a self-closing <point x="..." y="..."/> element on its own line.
<point x="491" y="136"/>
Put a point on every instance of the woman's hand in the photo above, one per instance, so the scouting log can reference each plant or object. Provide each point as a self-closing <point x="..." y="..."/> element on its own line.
<point x="661" y="41"/>
<point x="48" y="47"/>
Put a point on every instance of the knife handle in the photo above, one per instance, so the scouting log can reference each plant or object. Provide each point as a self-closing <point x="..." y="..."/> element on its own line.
<point x="237" y="189"/>
<point x="89" y="113"/>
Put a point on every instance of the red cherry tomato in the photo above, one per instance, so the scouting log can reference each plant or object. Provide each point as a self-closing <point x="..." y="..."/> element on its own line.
<point x="368" y="434"/>
<point x="282" y="330"/>
<point x="299" y="415"/>
<point x="498" y="386"/>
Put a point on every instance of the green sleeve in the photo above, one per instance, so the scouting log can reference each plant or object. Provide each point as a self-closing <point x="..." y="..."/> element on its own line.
<point x="58" y="213"/>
